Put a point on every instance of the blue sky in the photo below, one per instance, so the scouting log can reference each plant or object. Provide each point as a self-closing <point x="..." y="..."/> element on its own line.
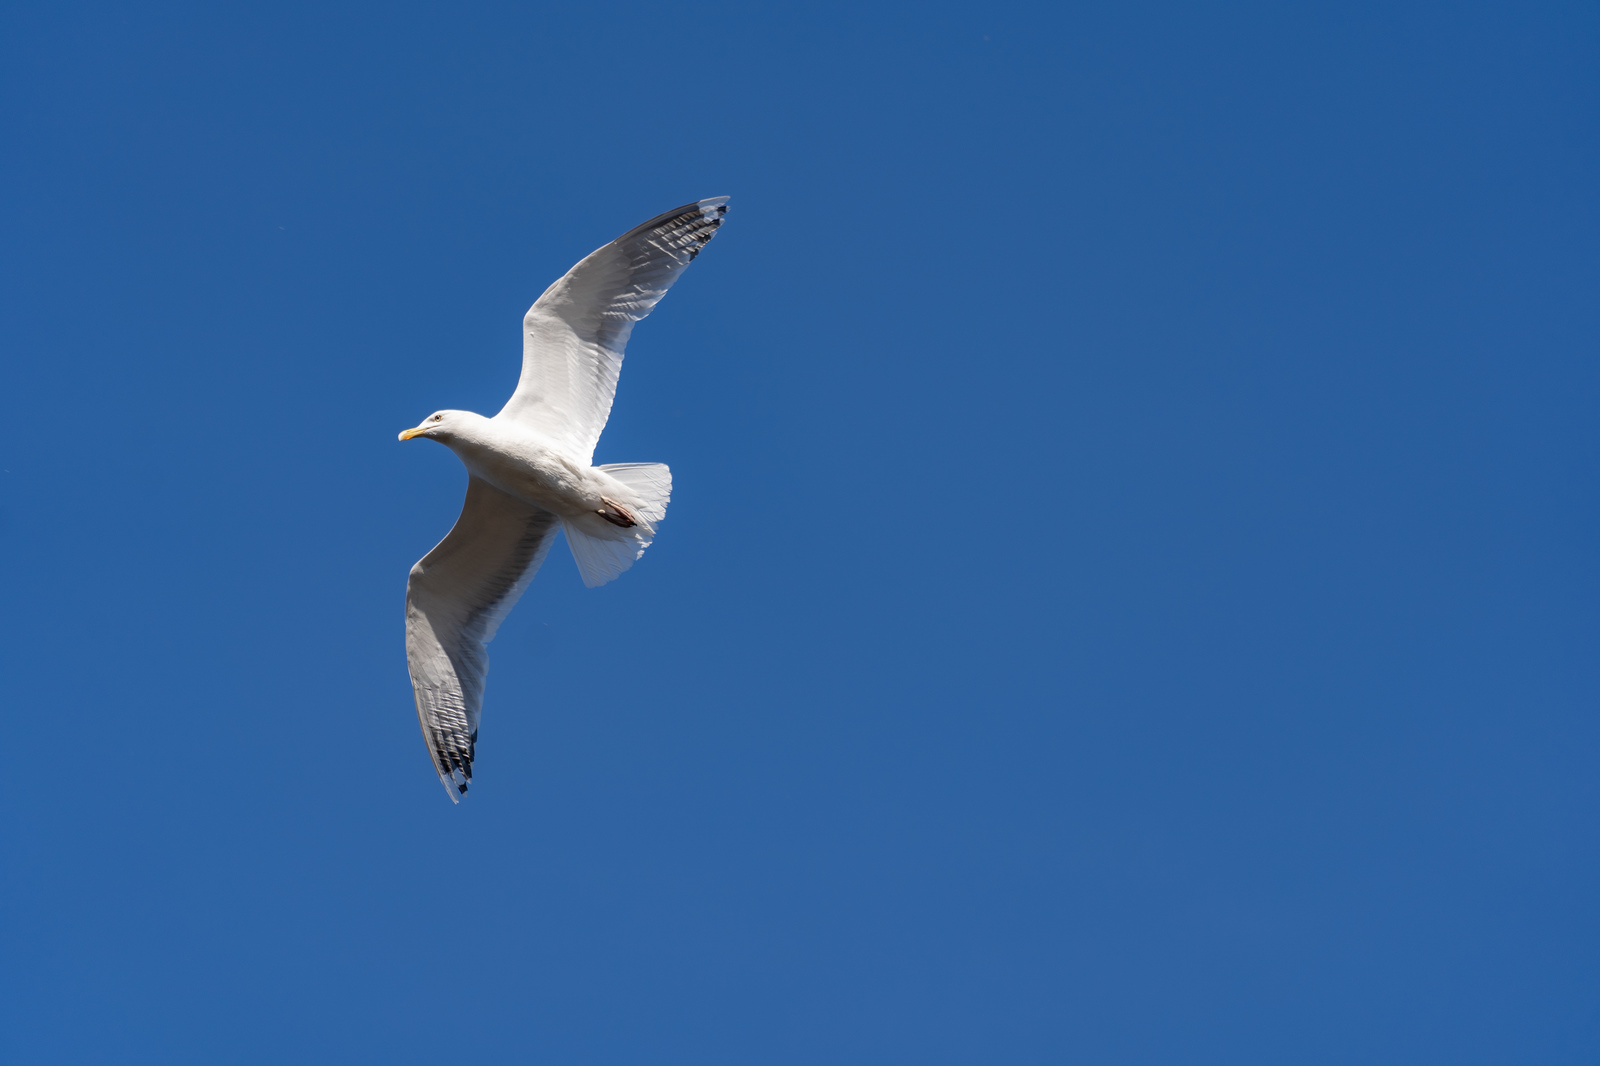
<point x="1130" y="592"/>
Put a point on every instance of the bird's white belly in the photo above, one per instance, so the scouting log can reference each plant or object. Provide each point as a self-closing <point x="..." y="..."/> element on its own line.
<point x="531" y="470"/>
<point x="541" y="477"/>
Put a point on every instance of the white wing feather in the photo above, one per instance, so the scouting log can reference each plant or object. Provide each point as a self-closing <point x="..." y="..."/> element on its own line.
<point x="456" y="598"/>
<point x="574" y="335"/>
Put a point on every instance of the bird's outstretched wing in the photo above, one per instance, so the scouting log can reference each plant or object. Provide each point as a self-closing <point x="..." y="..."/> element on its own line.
<point x="573" y="335"/>
<point x="456" y="598"/>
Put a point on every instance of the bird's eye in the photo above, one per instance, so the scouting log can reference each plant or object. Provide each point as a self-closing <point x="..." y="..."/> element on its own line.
<point x="438" y="418"/>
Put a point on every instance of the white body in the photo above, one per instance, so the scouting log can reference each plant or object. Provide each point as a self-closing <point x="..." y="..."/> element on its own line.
<point x="522" y="462"/>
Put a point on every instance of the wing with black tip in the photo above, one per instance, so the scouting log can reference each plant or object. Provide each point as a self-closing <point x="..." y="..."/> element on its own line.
<point x="456" y="598"/>
<point x="573" y="336"/>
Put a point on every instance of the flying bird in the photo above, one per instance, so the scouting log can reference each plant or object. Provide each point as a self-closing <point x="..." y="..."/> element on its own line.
<point x="530" y="474"/>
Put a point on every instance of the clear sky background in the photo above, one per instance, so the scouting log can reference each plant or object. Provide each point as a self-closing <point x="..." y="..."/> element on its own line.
<point x="1130" y="593"/>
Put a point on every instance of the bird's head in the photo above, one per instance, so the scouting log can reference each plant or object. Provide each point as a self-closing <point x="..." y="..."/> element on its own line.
<point x="440" y="426"/>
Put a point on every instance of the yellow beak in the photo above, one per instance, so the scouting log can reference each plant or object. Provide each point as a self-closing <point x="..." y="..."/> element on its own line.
<point x="409" y="433"/>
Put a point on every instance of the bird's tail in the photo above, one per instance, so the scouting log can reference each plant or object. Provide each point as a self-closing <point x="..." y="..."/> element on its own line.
<point x="650" y="482"/>
<point x="604" y="551"/>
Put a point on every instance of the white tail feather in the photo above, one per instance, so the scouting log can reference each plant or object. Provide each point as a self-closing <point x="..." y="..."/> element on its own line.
<point x="607" y="551"/>
<point x="651" y="484"/>
<point x="600" y="559"/>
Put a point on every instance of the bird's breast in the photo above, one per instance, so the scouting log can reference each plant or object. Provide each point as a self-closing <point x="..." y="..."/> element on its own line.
<point x="536" y="474"/>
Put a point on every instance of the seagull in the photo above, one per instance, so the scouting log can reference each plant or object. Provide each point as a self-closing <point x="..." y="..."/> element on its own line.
<point x="529" y="473"/>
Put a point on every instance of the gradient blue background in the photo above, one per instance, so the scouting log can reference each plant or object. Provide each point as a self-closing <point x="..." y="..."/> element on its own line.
<point x="1130" y="594"/>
